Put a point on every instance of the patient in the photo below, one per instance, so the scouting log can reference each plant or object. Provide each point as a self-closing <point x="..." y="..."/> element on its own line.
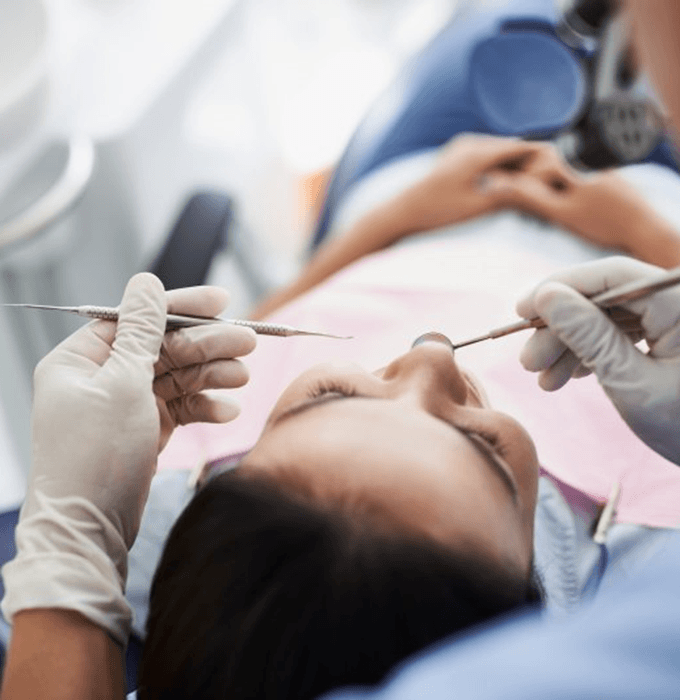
<point x="378" y="512"/>
<point x="307" y="567"/>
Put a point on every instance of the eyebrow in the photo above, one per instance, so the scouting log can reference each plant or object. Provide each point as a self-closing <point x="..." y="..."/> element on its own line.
<point x="486" y="451"/>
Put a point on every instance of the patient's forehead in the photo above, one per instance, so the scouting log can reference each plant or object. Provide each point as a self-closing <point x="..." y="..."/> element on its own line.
<point x="412" y="468"/>
<point x="360" y="508"/>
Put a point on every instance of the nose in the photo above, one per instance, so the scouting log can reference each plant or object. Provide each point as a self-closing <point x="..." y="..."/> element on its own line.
<point x="428" y="372"/>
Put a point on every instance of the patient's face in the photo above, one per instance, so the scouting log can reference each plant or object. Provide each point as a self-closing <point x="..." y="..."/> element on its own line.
<point x="416" y="438"/>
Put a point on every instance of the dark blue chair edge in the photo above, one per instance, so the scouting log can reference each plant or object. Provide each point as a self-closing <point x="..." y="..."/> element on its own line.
<point x="199" y="232"/>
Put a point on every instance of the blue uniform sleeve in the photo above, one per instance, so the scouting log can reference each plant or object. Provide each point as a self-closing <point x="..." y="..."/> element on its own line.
<point x="624" y="644"/>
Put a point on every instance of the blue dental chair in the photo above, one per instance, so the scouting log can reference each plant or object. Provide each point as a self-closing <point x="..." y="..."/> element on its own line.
<point x="500" y="70"/>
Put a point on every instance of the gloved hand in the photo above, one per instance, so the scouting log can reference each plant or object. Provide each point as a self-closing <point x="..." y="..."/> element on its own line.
<point x="105" y="403"/>
<point x="645" y="388"/>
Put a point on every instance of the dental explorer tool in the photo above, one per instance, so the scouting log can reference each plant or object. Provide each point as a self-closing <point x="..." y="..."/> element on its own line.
<point x="605" y="300"/>
<point x="175" y="321"/>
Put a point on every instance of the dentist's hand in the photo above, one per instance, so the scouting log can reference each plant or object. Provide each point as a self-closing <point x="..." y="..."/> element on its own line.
<point x="105" y="403"/>
<point x="645" y="388"/>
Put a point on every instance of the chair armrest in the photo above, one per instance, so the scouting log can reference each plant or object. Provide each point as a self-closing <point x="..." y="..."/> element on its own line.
<point x="58" y="200"/>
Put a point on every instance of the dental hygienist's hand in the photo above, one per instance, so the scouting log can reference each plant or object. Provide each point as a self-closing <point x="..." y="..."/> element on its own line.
<point x="105" y="403"/>
<point x="645" y="388"/>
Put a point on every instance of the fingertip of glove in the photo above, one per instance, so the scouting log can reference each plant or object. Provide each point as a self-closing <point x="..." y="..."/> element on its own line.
<point x="238" y="340"/>
<point x="540" y="351"/>
<point x="226" y="410"/>
<point x="251" y="339"/>
<point x="551" y="381"/>
<point x="546" y="293"/>
<point x="524" y="306"/>
<point x="219" y="295"/>
<point x="141" y="319"/>
<point x="558" y="303"/>
<point x="143" y="289"/>
<point x="528" y="360"/>
<point x="145" y="281"/>
<point x="541" y="298"/>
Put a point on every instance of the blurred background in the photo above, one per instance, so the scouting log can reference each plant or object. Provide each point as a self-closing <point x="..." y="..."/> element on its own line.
<point x="113" y="112"/>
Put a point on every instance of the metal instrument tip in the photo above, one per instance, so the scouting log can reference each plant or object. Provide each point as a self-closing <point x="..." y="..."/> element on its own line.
<point x="325" y="335"/>
<point x="40" y="306"/>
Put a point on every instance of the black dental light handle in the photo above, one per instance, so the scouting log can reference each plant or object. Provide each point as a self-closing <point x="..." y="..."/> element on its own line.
<point x="588" y="17"/>
<point x="614" y="132"/>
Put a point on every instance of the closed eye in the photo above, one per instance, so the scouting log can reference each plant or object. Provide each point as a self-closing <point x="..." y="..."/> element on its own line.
<point x="494" y="458"/>
<point x="322" y="392"/>
<point x="324" y="386"/>
<point x="491" y="440"/>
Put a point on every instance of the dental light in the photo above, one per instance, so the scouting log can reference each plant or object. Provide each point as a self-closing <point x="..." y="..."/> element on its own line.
<point x="622" y="120"/>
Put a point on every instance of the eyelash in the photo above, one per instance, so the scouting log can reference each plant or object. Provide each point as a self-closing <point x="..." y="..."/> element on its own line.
<point x="491" y="439"/>
<point x="333" y="386"/>
<point x="323" y="386"/>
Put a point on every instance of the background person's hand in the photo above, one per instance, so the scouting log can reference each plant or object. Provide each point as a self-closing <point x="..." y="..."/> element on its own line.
<point x="601" y="207"/>
<point x="105" y="402"/>
<point x="455" y="190"/>
<point x="644" y="388"/>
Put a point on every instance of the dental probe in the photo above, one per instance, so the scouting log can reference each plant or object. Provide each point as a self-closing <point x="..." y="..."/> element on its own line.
<point x="618" y="295"/>
<point x="175" y="321"/>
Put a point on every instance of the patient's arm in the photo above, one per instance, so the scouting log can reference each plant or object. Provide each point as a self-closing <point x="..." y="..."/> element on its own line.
<point x="60" y="655"/>
<point x="376" y="230"/>
<point x="448" y="195"/>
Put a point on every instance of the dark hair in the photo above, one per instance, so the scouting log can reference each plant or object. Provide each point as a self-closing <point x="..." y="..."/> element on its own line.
<point x="261" y="594"/>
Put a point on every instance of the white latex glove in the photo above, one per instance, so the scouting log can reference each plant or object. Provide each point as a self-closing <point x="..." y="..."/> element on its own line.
<point x="645" y="388"/>
<point x="105" y="403"/>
